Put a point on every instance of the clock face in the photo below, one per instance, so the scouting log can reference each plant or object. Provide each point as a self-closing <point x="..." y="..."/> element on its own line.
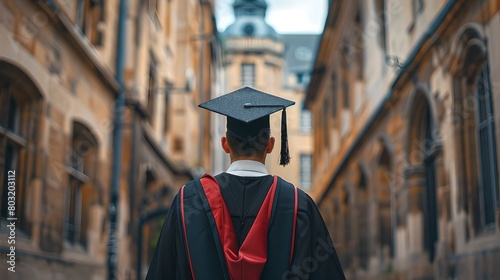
<point x="303" y="53"/>
<point x="249" y="29"/>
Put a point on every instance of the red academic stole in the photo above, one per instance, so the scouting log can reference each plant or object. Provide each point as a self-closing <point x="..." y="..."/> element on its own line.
<point x="249" y="261"/>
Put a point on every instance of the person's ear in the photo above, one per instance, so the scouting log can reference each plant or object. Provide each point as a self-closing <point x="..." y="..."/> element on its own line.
<point x="270" y="145"/>
<point x="225" y="144"/>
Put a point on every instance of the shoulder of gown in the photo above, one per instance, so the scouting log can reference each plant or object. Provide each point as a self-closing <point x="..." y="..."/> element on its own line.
<point x="170" y="259"/>
<point x="314" y="256"/>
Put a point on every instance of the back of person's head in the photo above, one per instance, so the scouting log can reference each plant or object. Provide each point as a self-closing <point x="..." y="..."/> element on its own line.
<point x="251" y="147"/>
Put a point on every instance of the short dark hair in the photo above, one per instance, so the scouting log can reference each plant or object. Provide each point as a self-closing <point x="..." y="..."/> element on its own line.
<point x="250" y="147"/>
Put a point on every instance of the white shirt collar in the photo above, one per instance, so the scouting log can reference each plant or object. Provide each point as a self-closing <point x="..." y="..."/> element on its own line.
<point x="247" y="168"/>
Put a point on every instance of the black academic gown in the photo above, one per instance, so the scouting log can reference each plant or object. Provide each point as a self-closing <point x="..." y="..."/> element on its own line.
<point x="314" y="255"/>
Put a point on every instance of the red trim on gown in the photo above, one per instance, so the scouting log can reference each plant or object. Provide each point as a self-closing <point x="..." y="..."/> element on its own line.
<point x="185" y="231"/>
<point x="248" y="262"/>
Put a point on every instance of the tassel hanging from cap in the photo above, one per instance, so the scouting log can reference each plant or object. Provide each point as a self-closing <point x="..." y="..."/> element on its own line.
<point x="285" y="152"/>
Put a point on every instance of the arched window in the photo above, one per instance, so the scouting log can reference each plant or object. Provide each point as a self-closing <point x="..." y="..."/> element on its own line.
<point x="423" y="151"/>
<point x="474" y="124"/>
<point x="81" y="194"/>
<point x="19" y="111"/>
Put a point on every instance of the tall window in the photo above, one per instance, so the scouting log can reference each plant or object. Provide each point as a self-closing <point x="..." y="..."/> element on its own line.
<point x="346" y="213"/>
<point x="345" y="91"/>
<point x="248" y="74"/>
<point x="15" y="118"/>
<point x="90" y="19"/>
<point x="417" y="7"/>
<point x="325" y="122"/>
<point x="81" y="192"/>
<point x="305" y="121"/>
<point x="151" y="93"/>
<point x="150" y="180"/>
<point x="380" y="6"/>
<point x="10" y="141"/>
<point x="305" y="171"/>
<point x="334" y="92"/>
<point x="384" y="203"/>
<point x="345" y="73"/>
<point x="475" y="132"/>
<point x="487" y="147"/>
<point x="360" y="47"/>
<point x="430" y="210"/>
<point x="423" y="150"/>
<point x="362" y="202"/>
<point x="166" y="112"/>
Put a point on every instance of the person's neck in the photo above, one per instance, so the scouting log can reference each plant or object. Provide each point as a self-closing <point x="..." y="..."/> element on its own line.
<point x="258" y="159"/>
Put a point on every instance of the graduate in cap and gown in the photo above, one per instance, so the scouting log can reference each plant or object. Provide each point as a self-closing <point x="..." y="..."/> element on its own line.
<point x="245" y="224"/>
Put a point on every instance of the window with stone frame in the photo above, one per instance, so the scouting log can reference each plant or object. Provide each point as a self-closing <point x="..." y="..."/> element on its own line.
<point x="248" y="74"/>
<point x="430" y="205"/>
<point x="151" y="90"/>
<point x="380" y="12"/>
<point x="487" y="147"/>
<point x="305" y="121"/>
<point x="417" y="7"/>
<point x="346" y="227"/>
<point x="17" y="128"/>
<point x="334" y="99"/>
<point x="305" y="171"/>
<point x="348" y="58"/>
<point x="81" y="193"/>
<point x="423" y="150"/>
<point x="326" y="122"/>
<point x="359" y="47"/>
<point x="384" y="203"/>
<point x="166" y="110"/>
<point x="474" y="125"/>
<point x="362" y="219"/>
<point x="90" y="19"/>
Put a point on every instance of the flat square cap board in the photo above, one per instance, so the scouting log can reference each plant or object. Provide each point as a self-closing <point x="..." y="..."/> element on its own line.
<point x="246" y="104"/>
<point x="247" y="111"/>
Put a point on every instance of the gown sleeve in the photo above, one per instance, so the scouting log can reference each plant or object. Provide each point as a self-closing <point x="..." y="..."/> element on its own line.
<point x="315" y="257"/>
<point x="169" y="259"/>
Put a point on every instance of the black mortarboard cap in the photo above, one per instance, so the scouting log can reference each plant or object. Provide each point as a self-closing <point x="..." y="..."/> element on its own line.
<point x="247" y="111"/>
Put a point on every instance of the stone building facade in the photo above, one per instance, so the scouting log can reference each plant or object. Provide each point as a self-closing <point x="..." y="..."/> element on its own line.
<point x="256" y="55"/>
<point x="58" y="89"/>
<point x="406" y="109"/>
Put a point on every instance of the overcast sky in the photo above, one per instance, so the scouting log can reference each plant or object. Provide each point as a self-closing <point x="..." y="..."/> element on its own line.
<point x="285" y="16"/>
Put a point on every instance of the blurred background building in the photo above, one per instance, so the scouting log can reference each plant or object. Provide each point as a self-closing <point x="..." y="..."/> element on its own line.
<point x="256" y="55"/>
<point x="59" y="82"/>
<point x="394" y="132"/>
<point x="405" y="102"/>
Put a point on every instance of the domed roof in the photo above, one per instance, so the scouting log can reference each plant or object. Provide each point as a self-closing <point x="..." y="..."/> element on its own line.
<point x="250" y="21"/>
<point x="250" y="26"/>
